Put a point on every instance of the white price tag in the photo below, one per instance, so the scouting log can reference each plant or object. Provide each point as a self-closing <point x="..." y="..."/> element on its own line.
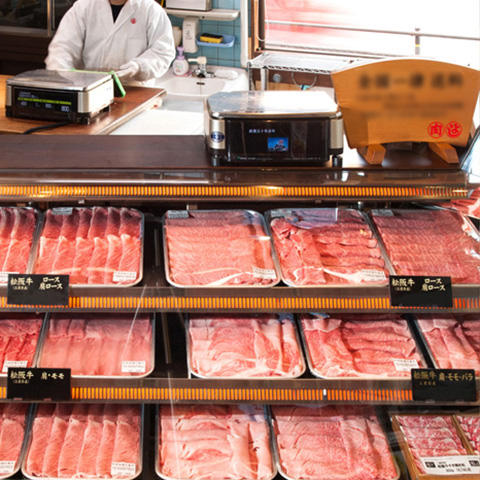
<point x="453" y="465"/>
<point x="122" y="469"/>
<point x="404" y="365"/>
<point x="7" y="466"/>
<point x="13" y="364"/>
<point x="266" y="273"/>
<point x="177" y="214"/>
<point x="383" y="213"/>
<point x="4" y="276"/>
<point x="280" y="213"/>
<point x="374" y="275"/>
<point x="62" y="211"/>
<point x="133" y="366"/>
<point x="124" y="276"/>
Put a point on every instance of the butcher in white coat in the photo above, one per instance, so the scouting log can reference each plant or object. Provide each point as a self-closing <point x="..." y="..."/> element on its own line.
<point x="132" y="37"/>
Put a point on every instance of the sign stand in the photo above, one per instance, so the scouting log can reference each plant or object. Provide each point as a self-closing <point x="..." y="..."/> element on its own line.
<point x="373" y="154"/>
<point x="445" y="151"/>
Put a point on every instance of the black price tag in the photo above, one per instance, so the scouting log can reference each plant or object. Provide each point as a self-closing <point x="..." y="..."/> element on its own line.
<point x="39" y="384"/>
<point x="34" y="289"/>
<point x="444" y="385"/>
<point x="416" y="291"/>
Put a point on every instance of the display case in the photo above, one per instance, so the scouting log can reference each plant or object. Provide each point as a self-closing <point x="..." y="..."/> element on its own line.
<point x="159" y="174"/>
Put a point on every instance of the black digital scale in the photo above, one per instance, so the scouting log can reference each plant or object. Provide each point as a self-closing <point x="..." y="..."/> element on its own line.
<point x="277" y="128"/>
<point x="72" y="96"/>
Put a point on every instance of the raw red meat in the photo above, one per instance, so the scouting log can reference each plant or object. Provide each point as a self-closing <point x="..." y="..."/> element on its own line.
<point x="18" y="339"/>
<point x="408" y="236"/>
<point x="219" y="248"/>
<point x="196" y="441"/>
<point x="12" y="430"/>
<point x="81" y="440"/>
<point x="471" y="427"/>
<point x="98" y="344"/>
<point x="334" y="443"/>
<point x="92" y="245"/>
<point x="244" y="346"/>
<point x="334" y="247"/>
<point x="359" y="346"/>
<point x="453" y="340"/>
<point x="431" y="436"/>
<point x="468" y="206"/>
<point x="17" y="227"/>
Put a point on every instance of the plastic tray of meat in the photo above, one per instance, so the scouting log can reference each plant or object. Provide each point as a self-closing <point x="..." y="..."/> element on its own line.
<point x="20" y="336"/>
<point x="430" y="243"/>
<point x="85" y="441"/>
<point x="314" y="442"/>
<point x="469" y="423"/>
<point x="95" y="246"/>
<point x="218" y="248"/>
<point x="213" y="442"/>
<point x="451" y="340"/>
<point x="100" y="345"/>
<point x="13" y="427"/>
<point x="424" y="438"/>
<point x="18" y="230"/>
<point x="370" y="346"/>
<point x="244" y="346"/>
<point x="327" y="246"/>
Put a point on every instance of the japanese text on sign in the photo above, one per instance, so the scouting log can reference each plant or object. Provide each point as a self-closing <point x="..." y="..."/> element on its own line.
<point x="39" y="383"/>
<point x="37" y="289"/>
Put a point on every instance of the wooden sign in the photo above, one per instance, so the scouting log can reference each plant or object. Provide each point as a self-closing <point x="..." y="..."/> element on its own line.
<point x="407" y="100"/>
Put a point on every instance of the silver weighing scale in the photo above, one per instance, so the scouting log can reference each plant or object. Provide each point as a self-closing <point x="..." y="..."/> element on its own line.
<point x="273" y="128"/>
<point x="73" y="96"/>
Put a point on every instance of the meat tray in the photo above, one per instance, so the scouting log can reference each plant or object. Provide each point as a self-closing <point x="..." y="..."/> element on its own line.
<point x="285" y="317"/>
<point x="469" y="420"/>
<point x="20" y="363"/>
<point x="332" y="270"/>
<point x="314" y="371"/>
<point x="134" y="366"/>
<point x="317" y="452"/>
<point x="158" y="469"/>
<point x="412" y="466"/>
<point x="264" y="274"/>
<point x="81" y="274"/>
<point x="35" y="232"/>
<point x="450" y="246"/>
<point x="128" y="466"/>
<point x="7" y="469"/>
<point x="428" y="348"/>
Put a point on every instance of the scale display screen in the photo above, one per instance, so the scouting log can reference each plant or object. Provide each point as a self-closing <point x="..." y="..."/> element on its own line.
<point x="44" y="104"/>
<point x="296" y="140"/>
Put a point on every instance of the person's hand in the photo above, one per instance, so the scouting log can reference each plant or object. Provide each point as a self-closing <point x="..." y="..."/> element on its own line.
<point x="127" y="71"/>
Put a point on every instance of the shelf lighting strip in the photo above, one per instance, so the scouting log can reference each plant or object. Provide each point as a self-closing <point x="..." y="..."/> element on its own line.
<point x="235" y="303"/>
<point x="203" y="191"/>
<point x="261" y="395"/>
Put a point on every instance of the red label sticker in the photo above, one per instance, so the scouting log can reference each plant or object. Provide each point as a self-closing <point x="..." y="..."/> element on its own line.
<point x="134" y="21"/>
<point x="454" y="129"/>
<point x="436" y="129"/>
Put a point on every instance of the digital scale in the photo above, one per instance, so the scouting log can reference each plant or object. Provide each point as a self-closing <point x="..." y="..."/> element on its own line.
<point x="275" y="128"/>
<point x="72" y="96"/>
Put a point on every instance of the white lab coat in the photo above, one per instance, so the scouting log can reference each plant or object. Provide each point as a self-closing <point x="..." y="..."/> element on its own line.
<point x="88" y="39"/>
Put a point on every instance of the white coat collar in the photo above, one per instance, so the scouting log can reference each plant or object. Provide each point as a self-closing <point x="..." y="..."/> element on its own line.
<point x="127" y="14"/>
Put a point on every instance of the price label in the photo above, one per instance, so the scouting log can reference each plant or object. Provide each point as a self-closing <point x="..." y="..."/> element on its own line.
<point x="39" y="384"/>
<point x="123" y="469"/>
<point x="444" y="385"/>
<point x="418" y="291"/>
<point x="404" y="365"/>
<point x="373" y="275"/>
<point x="265" y="273"/>
<point x="177" y="214"/>
<point x="7" y="466"/>
<point x="452" y="465"/>
<point x="35" y="289"/>
<point x="62" y="211"/>
<point x="383" y="213"/>
<point x="124" y="276"/>
<point x="13" y="364"/>
<point x="133" y="366"/>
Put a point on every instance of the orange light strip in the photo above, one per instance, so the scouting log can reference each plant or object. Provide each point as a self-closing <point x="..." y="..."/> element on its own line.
<point x="260" y="395"/>
<point x="143" y="191"/>
<point x="236" y="303"/>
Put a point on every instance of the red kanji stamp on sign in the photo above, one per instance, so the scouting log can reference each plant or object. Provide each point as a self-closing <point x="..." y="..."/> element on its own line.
<point x="454" y="129"/>
<point x="436" y="129"/>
